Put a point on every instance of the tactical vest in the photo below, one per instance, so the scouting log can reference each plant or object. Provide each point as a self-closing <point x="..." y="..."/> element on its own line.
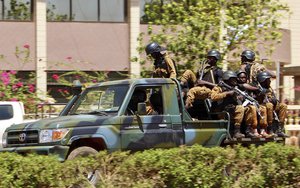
<point x="210" y="74"/>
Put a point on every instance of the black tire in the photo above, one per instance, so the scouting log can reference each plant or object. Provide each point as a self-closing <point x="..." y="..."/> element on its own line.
<point x="82" y="152"/>
<point x="93" y="176"/>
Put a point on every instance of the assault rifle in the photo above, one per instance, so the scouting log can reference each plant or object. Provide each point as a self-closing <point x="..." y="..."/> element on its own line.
<point x="248" y="98"/>
<point x="201" y="70"/>
<point x="267" y="100"/>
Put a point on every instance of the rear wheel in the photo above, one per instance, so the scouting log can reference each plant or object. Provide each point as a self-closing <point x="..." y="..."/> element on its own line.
<point x="85" y="151"/>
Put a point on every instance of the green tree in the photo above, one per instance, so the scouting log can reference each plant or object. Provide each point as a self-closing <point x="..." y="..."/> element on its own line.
<point x="189" y="28"/>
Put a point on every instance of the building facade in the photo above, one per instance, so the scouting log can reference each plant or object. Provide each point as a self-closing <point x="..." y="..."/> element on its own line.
<point x="98" y="35"/>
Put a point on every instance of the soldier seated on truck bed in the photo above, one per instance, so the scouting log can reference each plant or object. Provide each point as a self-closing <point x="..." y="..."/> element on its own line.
<point x="227" y="100"/>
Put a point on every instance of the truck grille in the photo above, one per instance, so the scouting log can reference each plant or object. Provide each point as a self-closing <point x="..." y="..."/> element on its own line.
<point x="23" y="137"/>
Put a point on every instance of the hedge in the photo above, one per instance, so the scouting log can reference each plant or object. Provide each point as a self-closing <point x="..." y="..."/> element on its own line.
<point x="270" y="165"/>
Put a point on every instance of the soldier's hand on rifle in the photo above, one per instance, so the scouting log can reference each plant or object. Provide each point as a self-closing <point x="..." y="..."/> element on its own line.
<point x="240" y="98"/>
<point x="263" y="91"/>
<point x="230" y="93"/>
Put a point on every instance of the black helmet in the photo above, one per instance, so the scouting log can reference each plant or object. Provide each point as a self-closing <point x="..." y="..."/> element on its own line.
<point x="229" y="74"/>
<point x="250" y="55"/>
<point x="240" y="72"/>
<point x="152" y="47"/>
<point x="214" y="53"/>
<point x="262" y="76"/>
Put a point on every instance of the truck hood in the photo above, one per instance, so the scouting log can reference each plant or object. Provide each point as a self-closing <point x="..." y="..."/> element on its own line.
<point x="66" y="122"/>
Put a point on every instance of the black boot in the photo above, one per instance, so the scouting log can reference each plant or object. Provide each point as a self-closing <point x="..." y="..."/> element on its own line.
<point x="280" y="132"/>
<point x="237" y="133"/>
<point x="250" y="133"/>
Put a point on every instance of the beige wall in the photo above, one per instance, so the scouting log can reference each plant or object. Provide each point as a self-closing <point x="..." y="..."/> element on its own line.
<point x="292" y="22"/>
<point x="92" y="46"/>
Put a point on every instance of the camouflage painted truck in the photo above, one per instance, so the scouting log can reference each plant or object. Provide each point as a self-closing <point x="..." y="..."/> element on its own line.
<point x="98" y="118"/>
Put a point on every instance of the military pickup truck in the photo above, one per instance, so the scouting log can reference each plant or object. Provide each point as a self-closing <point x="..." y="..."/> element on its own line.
<point x="100" y="118"/>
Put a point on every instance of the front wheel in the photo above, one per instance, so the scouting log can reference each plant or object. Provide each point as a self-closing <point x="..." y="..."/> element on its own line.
<point x="85" y="151"/>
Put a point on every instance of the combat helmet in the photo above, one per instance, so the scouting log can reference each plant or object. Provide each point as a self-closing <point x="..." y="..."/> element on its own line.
<point x="214" y="53"/>
<point x="250" y="55"/>
<point x="262" y="76"/>
<point x="240" y="72"/>
<point x="152" y="48"/>
<point x="228" y="74"/>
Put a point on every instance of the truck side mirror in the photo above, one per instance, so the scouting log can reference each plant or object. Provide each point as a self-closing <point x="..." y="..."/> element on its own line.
<point x="76" y="87"/>
<point x="141" y="108"/>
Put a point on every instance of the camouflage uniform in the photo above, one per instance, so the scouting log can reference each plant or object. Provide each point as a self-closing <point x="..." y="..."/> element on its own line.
<point x="252" y="69"/>
<point x="229" y="104"/>
<point x="164" y="67"/>
<point x="269" y="101"/>
<point x="198" y="92"/>
<point x="188" y="79"/>
<point x="211" y="74"/>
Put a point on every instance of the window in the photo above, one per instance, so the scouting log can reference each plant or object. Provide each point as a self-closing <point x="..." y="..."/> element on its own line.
<point x="58" y="10"/>
<point x="87" y="11"/>
<point x="101" y="100"/>
<point x="152" y="96"/>
<point x="20" y="10"/>
<point x="6" y="112"/>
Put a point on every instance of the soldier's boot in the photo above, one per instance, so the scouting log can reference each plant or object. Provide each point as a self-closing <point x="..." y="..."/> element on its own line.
<point x="270" y="131"/>
<point x="264" y="134"/>
<point x="237" y="133"/>
<point x="280" y="132"/>
<point x="252" y="133"/>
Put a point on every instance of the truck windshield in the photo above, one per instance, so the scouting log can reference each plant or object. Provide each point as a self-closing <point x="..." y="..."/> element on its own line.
<point x="101" y="99"/>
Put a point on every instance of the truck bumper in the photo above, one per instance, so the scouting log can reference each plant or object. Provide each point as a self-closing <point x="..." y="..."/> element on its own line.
<point x="60" y="151"/>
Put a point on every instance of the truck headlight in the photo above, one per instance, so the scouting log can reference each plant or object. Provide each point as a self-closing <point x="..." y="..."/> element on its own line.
<point x="4" y="139"/>
<point x="54" y="135"/>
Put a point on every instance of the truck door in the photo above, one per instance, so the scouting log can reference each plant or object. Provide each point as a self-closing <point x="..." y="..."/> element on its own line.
<point x="153" y="130"/>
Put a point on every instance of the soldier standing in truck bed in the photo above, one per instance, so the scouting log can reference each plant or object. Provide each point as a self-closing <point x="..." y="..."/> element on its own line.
<point x="164" y="66"/>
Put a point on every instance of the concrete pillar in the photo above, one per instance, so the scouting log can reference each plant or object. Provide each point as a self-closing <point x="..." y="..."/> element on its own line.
<point x="41" y="46"/>
<point x="134" y="31"/>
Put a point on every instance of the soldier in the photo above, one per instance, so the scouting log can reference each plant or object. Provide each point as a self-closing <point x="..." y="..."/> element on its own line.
<point x="275" y="109"/>
<point x="251" y="67"/>
<point x="138" y="96"/>
<point x="207" y="77"/>
<point x="163" y="65"/>
<point x="227" y="100"/>
<point x="251" y="111"/>
<point x="156" y="104"/>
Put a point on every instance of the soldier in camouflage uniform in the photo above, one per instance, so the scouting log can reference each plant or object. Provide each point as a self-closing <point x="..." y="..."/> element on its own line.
<point x="206" y="79"/>
<point x="274" y="107"/>
<point x="251" y="67"/>
<point x="227" y="100"/>
<point x="250" y="117"/>
<point x="163" y="64"/>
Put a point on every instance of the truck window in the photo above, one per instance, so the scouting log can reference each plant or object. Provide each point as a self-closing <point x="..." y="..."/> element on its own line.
<point x="105" y="98"/>
<point x="6" y="112"/>
<point x="152" y="96"/>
